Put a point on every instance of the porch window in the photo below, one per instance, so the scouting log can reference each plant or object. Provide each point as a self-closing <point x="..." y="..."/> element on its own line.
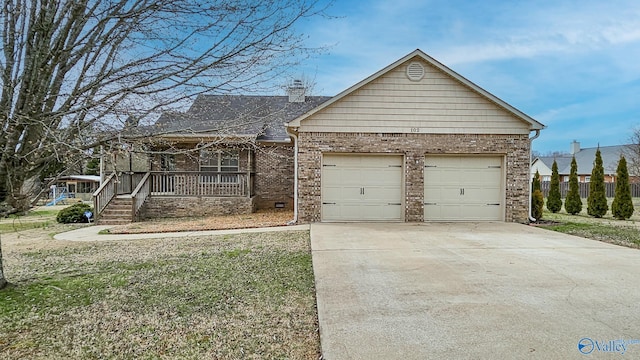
<point x="167" y="162"/>
<point x="217" y="163"/>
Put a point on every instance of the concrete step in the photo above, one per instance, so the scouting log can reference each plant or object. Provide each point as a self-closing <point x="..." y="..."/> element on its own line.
<point x="103" y="221"/>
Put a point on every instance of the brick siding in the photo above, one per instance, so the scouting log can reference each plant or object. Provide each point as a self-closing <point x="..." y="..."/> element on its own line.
<point x="414" y="147"/>
<point x="274" y="176"/>
<point x="168" y="206"/>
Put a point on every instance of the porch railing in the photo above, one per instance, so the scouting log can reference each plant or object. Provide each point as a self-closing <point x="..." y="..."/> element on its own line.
<point x="201" y="183"/>
<point x="104" y="194"/>
<point x="127" y="182"/>
<point x="140" y="195"/>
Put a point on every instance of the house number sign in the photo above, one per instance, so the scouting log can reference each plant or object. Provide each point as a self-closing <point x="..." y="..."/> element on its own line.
<point x="415" y="130"/>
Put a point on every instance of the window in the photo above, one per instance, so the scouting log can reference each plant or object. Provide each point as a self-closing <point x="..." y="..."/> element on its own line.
<point x="219" y="162"/>
<point x="565" y="179"/>
<point x="546" y="178"/>
<point x="86" y="187"/>
<point x="587" y="179"/>
<point x="167" y="162"/>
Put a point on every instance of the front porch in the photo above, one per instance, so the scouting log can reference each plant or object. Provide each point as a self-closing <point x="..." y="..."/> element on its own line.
<point x="131" y="196"/>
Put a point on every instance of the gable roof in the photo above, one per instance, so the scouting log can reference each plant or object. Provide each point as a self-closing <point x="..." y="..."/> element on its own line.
<point x="533" y="124"/>
<point x="586" y="157"/>
<point x="259" y="117"/>
<point x="562" y="161"/>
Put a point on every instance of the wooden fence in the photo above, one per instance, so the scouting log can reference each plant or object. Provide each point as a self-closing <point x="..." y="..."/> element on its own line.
<point x="610" y="189"/>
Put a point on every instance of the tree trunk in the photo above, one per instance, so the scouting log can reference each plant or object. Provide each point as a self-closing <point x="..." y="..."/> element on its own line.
<point x="3" y="281"/>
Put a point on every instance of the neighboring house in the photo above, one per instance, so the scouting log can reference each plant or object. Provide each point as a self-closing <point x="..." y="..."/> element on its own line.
<point x="75" y="186"/>
<point x="413" y="142"/>
<point x="585" y="159"/>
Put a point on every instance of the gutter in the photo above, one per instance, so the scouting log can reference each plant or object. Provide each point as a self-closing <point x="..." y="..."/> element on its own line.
<point x="295" y="176"/>
<point x="531" y="218"/>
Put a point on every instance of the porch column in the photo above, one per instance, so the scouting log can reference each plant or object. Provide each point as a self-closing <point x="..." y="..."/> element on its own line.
<point x="249" y="190"/>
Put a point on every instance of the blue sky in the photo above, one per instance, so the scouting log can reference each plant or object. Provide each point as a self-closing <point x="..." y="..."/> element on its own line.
<point x="572" y="65"/>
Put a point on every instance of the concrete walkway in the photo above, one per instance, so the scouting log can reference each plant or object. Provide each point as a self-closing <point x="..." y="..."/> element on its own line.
<point x="91" y="233"/>
<point x="472" y="291"/>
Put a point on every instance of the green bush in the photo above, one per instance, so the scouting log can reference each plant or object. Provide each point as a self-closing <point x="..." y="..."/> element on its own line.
<point x="597" y="201"/>
<point x="73" y="214"/>
<point x="535" y="184"/>
<point x="537" y="204"/>
<point x="573" y="203"/>
<point x="622" y="207"/>
<point x="554" y="201"/>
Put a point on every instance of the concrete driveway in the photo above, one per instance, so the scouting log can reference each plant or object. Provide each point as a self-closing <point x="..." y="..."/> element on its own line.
<point x="473" y="291"/>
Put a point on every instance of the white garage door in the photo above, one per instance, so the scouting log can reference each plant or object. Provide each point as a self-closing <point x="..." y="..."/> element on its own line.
<point x="361" y="187"/>
<point x="463" y="188"/>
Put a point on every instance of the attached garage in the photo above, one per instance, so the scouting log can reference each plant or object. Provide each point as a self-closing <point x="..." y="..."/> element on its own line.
<point x="413" y="142"/>
<point x="463" y="188"/>
<point x="361" y="187"/>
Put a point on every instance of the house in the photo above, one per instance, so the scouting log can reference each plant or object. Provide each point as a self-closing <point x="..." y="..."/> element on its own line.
<point x="74" y="186"/>
<point x="413" y="142"/>
<point x="585" y="159"/>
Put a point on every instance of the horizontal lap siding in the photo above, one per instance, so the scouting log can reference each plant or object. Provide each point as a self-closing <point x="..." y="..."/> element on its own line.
<point x="436" y="104"/>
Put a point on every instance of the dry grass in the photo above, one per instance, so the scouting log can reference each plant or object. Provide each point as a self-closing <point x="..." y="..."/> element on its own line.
<point x="246" y="296"/>
<point x="606" y="229"/>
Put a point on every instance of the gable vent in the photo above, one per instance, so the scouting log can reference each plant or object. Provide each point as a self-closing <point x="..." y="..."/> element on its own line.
<point x="415" y="71"/>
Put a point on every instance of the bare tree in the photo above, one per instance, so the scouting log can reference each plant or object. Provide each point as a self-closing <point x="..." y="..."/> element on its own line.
<point x="633" y="153"/>
<point x="72" y="71"/>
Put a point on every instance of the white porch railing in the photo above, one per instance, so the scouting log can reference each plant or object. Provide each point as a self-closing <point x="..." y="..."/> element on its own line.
<point x="200" y="183"/>
<point x="104" y="194"/>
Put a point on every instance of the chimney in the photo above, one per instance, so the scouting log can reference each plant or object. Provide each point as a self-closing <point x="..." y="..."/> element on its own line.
<point x="575" y="147"/>
<point x="296" y="92"/>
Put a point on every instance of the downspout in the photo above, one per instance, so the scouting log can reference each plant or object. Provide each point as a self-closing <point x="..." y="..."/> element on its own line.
<point x="295" y="176"/>
<point x="531" y="218"/>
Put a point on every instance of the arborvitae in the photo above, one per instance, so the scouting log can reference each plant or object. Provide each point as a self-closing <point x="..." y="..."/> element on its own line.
<point x="554" y="200"/>
<point x="573" y="203"/>
<point x="537" y="203"/>
<point x="622" y="206"/>
<point x="535" y="184"/>
<point x="597" y="200"/>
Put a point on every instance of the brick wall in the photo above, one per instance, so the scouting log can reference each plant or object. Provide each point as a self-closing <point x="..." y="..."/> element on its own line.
<point x="274" y="176"/>
<point x="414" y="147"/>
<point x="167" y="206"/>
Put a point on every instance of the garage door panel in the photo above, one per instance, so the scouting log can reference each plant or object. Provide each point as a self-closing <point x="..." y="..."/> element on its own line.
<point x="381" y="193"/>
<point x="379" y="176"/>
<point x="441" y="212"/>
<point x="480" y="195"/>
<point x="480" y="212"/>
<point x="345" y="193"/>
<point x="463" y="188"/>
<point x="361" y="188"/>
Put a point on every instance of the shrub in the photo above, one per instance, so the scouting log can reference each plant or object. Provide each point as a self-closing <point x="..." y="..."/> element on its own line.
<point x="554" y="201"/>
<point x="537" y="204"/>
<point x="573" y="203"/>
<point x="535" y="184"/>
<point x="597" y="201"/>
<point x="73" y="214"/>
<point x="622" y="206"/>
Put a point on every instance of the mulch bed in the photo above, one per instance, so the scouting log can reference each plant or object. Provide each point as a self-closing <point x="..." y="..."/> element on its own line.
<point x="269" y="218"/>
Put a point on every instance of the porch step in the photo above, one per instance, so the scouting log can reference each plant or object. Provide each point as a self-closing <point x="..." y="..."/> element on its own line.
<point x="118" y="212"/>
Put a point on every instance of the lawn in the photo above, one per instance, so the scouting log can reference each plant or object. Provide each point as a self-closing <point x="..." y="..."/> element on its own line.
<point x="607" y="228"/>
<point x="245" y="296"/>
